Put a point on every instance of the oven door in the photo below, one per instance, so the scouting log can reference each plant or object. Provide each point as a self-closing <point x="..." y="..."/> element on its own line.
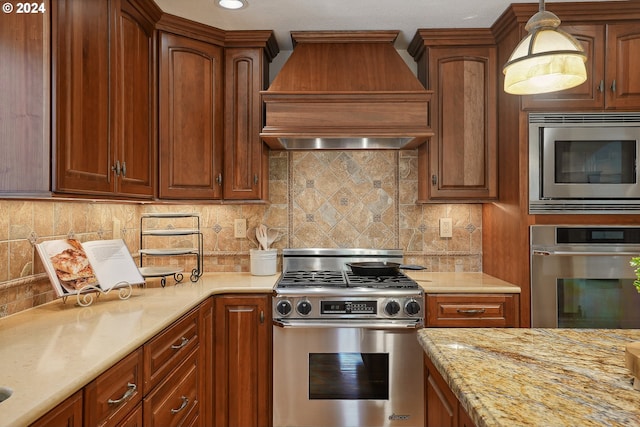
<point x="583" y="289"/>
<point x="339" y="376"/>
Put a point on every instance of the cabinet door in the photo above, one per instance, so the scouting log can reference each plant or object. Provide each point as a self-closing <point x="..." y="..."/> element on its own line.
<point x="66" y="414"/>
<point x="191" y="128"/>
<point x="245" y="168"/>
<point x="24" y="104"/>
<point x="623" y="63"/>
<point x="133" y="92"/>
<point x="80" y="64"/>
<point x="242" y="358"/>
<point x="589" y="95"/>
<point x="462" y="155"/>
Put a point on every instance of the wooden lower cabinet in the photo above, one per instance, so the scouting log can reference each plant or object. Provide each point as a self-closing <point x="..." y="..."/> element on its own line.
<point x="442" y="408"/>
<point x="242" y="360"/>
<point x="167" y="382"/>
<point x="473" y="310"/>
<point x="66" y="414"/>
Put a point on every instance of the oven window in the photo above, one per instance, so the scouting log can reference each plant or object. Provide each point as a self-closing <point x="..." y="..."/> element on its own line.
<point x="598" y="303"/>
<point x="595" y="162"/>
<point x="351" y="376"/>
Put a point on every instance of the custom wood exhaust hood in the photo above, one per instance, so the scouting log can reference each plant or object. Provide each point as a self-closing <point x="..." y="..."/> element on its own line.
<point x="345" y="90"/>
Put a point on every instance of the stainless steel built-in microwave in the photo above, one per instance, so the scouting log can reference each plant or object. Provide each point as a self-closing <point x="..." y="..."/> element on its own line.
<point x="584" y="163"/>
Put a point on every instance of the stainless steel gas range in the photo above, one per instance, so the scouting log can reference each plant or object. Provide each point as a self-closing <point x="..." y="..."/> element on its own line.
<point x="345" y="346"/>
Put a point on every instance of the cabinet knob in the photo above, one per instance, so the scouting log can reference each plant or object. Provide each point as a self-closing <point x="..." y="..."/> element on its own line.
<point x="116" y="168"/>
<point x="123" y="169"/>
<point x="601" y="86"/>
<point x="255" y="179"/>
<point x="261" y="316"/>
<point x="434" y="179"/>
<point x="613" y="85"/>
<point x="219" y="179"/>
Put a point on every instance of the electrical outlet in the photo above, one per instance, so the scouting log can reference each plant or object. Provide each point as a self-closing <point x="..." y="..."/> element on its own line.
<point x="446" y="227"/>
<point x="240" y="228"/>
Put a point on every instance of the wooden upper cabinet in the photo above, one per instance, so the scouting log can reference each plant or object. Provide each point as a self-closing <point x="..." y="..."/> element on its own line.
<point x="460" y="160"/>
<point x="24" y="104"/>
<point x="80" y="41"/>
<point x="246" y="166"/>
<point x="622" y="65"/>
<point x="103" y="98"/>
<point x="191" y="128"/>
<point x="613" y="58"/>
<point x="134" y="125"/>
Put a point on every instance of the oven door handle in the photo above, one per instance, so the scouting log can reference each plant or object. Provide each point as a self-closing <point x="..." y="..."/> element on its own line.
<point x="350" y="323"/>
<point x="583" y="253"/>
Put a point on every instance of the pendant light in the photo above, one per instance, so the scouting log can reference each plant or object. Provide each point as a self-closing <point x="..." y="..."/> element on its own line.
<point x="546" y="60"/>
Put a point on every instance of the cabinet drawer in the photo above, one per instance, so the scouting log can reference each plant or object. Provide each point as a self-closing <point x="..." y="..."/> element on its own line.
<point x="111" y="396"/>
<point x="472" y="310"/>
<point x="163" y="353"/>
<point x="176" y="401"/>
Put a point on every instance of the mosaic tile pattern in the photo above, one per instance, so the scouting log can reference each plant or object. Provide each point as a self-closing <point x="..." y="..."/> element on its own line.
<point x="317" y="199"/>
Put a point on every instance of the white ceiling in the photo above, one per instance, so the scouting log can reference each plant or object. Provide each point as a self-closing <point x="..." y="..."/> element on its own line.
<point x="284" y="16"/>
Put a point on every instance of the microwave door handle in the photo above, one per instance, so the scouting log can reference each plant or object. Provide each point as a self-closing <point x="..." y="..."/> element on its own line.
<point x="583" y="253"/>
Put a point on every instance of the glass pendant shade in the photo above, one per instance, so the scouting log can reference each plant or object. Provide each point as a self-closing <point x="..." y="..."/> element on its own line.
<point x="546" y="60"/>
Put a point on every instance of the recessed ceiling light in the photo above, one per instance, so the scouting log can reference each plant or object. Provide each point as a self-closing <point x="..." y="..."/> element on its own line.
<point x="232" y="4"/>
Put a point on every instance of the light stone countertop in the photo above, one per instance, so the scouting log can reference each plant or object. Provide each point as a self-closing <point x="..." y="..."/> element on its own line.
<point x="537" y="377"/>
<point x="434" y="283"/>
<point x="49" y="352"/>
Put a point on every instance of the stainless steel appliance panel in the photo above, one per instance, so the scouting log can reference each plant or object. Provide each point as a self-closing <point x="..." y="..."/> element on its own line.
<point x="384" y="387"/>
<point x="584" y="282"/>
<point x="584" y="162"/>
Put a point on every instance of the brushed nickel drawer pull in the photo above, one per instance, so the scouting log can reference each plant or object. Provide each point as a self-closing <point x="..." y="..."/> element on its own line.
<point x="131" y="388"/>
<point x="185" y="402"/>
<point x="183" y="342"/>
<point x="471" y="311"/>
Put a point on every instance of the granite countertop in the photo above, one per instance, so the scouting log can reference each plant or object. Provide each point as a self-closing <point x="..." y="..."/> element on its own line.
<point x="461" y="283"/>
<point x="537" y="377"/>
<point x="49" y="352"/>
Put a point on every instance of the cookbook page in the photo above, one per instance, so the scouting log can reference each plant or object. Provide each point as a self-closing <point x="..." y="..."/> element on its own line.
<point x="67" y="265"/>
<point x="112" y="263"/>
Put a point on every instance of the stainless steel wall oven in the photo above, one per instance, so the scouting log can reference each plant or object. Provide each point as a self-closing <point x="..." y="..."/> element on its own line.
<point x="584" y="163"/>
<point x="345" y="347"/>
<point x="581" y="277"/>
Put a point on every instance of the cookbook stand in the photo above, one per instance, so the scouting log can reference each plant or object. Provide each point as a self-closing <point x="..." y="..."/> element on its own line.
<point x="85" y="294"/>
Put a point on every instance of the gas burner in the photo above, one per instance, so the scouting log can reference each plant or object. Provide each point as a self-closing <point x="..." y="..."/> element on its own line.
<point x="304" y="278"/>
<point x="398" y="281"/>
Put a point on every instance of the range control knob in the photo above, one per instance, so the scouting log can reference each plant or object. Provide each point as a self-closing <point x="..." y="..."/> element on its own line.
<point x="392" y="308"/>
<point x="304" y="307"/>
<point x="283" y="307"/>
<point x="412" y="307"/>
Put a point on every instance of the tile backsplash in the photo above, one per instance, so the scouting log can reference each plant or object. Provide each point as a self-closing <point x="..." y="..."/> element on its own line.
<point x="317" y="199"/>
